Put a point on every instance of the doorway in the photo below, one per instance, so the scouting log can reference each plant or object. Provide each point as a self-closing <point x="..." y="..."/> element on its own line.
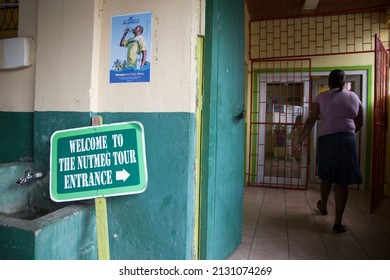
<point x="279" y="105"/>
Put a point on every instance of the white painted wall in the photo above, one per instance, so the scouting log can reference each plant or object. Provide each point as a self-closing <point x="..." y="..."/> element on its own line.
<point x="64" y="55"/>
<point x="18" y="86"/>
<point x="343" y="60"/>
<point x="73" y="57"/>
<point x="175" y="23"/>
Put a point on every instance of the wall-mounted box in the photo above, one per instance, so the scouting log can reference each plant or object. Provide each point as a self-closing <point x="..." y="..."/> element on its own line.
<point x="15" y="53"/>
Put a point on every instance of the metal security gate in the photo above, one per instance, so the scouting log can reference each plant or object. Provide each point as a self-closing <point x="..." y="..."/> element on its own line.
<point x="380" y="115"/>
<point x="279" y="104"/>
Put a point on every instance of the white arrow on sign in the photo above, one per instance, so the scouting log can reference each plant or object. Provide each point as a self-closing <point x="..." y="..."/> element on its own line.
<point x="122" y="175"/>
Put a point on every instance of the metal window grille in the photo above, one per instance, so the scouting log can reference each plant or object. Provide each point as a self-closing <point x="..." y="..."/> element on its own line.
<point x="280" y="97"/>
<point x="380" y="118"/>
<point x="9" y="15"/>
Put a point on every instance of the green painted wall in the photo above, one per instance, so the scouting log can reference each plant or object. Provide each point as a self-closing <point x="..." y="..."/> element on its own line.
<point x="16" y="244"/>
<point x="157" y="224"/>
<point x="16" y="139"/>
<point x="70" y="237"/>
<point x="67" y="234"/>
<point x="45" y="124"/>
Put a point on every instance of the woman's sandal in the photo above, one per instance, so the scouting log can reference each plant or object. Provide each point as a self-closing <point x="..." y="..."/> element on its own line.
<point x="339" y="228"/>
<point x="323" y="211"/>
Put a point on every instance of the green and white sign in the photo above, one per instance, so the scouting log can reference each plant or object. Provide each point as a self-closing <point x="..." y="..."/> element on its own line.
<point x="98" y="161"/>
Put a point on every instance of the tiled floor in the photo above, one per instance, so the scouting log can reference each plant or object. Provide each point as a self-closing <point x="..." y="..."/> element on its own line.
<point x="286" y="225"/>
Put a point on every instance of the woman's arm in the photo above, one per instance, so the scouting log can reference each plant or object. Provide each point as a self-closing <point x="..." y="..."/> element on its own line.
<point x="309" y="123"/>
<point x="358" y="120"/>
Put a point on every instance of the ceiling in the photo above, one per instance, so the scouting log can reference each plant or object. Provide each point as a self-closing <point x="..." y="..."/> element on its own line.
<point x="270" y="9"/>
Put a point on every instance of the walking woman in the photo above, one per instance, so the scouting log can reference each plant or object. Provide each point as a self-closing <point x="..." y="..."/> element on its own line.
<point x="340" y="115"/>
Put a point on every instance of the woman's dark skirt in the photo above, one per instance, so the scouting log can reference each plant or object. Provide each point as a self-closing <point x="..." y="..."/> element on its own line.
<point x="338" y="158"/>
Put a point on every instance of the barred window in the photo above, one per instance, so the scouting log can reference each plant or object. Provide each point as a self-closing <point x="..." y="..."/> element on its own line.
<point x="9" y="18"/>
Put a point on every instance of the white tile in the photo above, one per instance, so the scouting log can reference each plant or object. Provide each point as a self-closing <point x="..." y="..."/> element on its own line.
<point x="310" y="250"/>
<point x="283" y="224"/>
<point x="304" y="236"/>
<point x="346" y="253"/>
<point x="260" y="255"/>
<point x="270" y="244"/>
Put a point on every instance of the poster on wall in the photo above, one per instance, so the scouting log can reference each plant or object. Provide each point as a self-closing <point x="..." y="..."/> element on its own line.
<point x="130" y="48"/>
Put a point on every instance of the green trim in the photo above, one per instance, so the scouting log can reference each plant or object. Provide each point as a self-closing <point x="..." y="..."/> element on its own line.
<point x="207" y="193"/>
<point x="17" y="136"/>
<point x="199" y="67"/>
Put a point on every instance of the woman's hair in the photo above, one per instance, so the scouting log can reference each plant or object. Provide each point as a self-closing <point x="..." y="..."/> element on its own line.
<point x="337" y="79"/>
